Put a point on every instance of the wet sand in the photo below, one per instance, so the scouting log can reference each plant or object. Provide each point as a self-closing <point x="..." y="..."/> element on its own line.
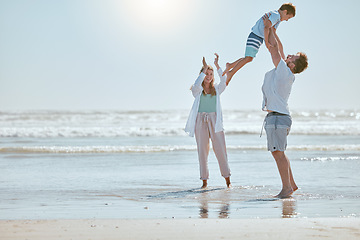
<point x="298" y="228"/>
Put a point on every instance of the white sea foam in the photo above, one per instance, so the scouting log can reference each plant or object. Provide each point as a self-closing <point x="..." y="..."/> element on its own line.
<point x="73" y="132"/>
<point x="45" y="124"/>
<point x="96" y="149"/>
<point x="162" y="148"/>
<point x="325" y="159"/>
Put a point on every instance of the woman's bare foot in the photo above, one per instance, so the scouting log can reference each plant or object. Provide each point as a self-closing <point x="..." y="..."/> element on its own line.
<point x="204" y="184"/>
<point x="228" y="183"/>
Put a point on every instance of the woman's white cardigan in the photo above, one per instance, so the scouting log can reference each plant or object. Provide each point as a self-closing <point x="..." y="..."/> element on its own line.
<point x="197" y="91"/>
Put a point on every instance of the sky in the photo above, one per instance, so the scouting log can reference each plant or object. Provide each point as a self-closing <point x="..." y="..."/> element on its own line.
<point x="145" y="54"/>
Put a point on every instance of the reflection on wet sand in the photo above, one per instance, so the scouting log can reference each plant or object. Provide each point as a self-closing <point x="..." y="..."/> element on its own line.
<point x="289" y="208"/>
<point x="224" y="201"/>
<point x="218" y="202"/>
<point x="223" y="204"/>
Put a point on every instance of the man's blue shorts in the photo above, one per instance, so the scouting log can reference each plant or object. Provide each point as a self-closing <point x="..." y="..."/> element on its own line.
<point x="277" y="127"/>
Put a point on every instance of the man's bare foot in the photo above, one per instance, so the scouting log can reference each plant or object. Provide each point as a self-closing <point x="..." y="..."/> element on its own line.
<point x="204" y="184"/>
<point x="294" y="188"/>
<point x="285" y="193"/>
<point x="228" y="183"/>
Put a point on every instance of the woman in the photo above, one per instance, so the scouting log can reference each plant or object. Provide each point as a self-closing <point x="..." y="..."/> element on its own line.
<point x="205" y="120"/>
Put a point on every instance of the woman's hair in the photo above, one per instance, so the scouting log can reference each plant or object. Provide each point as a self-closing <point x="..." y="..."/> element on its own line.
<point x="212" y="88"/>
<point x="301" y="63"/>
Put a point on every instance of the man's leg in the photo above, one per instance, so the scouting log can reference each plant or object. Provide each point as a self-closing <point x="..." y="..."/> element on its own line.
<point x="277" y="128"/>
<point x="283" y="165"/>
<point x="292" y="181"/>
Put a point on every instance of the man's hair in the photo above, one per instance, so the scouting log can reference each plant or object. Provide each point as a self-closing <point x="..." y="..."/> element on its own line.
<point x="301" y="63"/>
<point x="289" y="7"/>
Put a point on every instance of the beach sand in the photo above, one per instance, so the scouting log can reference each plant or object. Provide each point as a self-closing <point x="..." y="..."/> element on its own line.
<point x="299" y="228"/>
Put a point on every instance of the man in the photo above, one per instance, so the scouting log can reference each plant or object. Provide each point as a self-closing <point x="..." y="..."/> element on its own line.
<point x="276" y="91"/>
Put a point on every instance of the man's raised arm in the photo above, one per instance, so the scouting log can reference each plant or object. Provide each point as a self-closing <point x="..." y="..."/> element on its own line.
<point x="273" y="45"/>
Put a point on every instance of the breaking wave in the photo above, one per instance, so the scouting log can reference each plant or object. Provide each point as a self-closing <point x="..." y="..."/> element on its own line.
<point x="161" y="148"/>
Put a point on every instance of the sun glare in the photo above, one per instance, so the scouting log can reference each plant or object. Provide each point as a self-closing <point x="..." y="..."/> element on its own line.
<point x="157" y="15"/>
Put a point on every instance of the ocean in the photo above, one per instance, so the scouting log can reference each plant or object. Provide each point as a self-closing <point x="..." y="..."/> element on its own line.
<point x="141" y="164"/>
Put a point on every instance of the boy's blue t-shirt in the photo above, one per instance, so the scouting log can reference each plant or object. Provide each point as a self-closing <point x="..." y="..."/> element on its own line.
<point x="258" y="28"/>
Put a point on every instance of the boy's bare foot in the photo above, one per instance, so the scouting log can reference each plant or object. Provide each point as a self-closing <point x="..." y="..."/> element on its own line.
<point x="204" y="184"/>
<point x="227" y="69"/>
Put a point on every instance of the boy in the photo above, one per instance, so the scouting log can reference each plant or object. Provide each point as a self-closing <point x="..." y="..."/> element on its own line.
<point x="258" y="35"/>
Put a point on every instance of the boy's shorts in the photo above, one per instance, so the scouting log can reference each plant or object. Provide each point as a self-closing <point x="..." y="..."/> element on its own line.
<point x="277" y="127"/>
<point x="253" y="44"/>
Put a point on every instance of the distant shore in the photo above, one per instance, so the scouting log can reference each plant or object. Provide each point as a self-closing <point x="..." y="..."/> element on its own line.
<point x="297" y="228"/>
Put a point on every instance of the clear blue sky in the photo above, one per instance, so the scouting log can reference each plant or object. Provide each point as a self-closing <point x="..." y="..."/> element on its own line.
<point x="145" y="54"/>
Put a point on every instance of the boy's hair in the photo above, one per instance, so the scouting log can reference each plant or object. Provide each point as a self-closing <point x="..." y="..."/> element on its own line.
<point x="301" y="63"/>
<point x="289" y="7"/>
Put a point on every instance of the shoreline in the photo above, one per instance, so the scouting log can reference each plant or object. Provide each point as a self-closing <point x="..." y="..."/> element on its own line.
<point x="290" y="228"/>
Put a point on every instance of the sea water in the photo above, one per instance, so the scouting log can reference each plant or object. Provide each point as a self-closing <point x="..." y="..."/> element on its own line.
<point x="141" y="164"/>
